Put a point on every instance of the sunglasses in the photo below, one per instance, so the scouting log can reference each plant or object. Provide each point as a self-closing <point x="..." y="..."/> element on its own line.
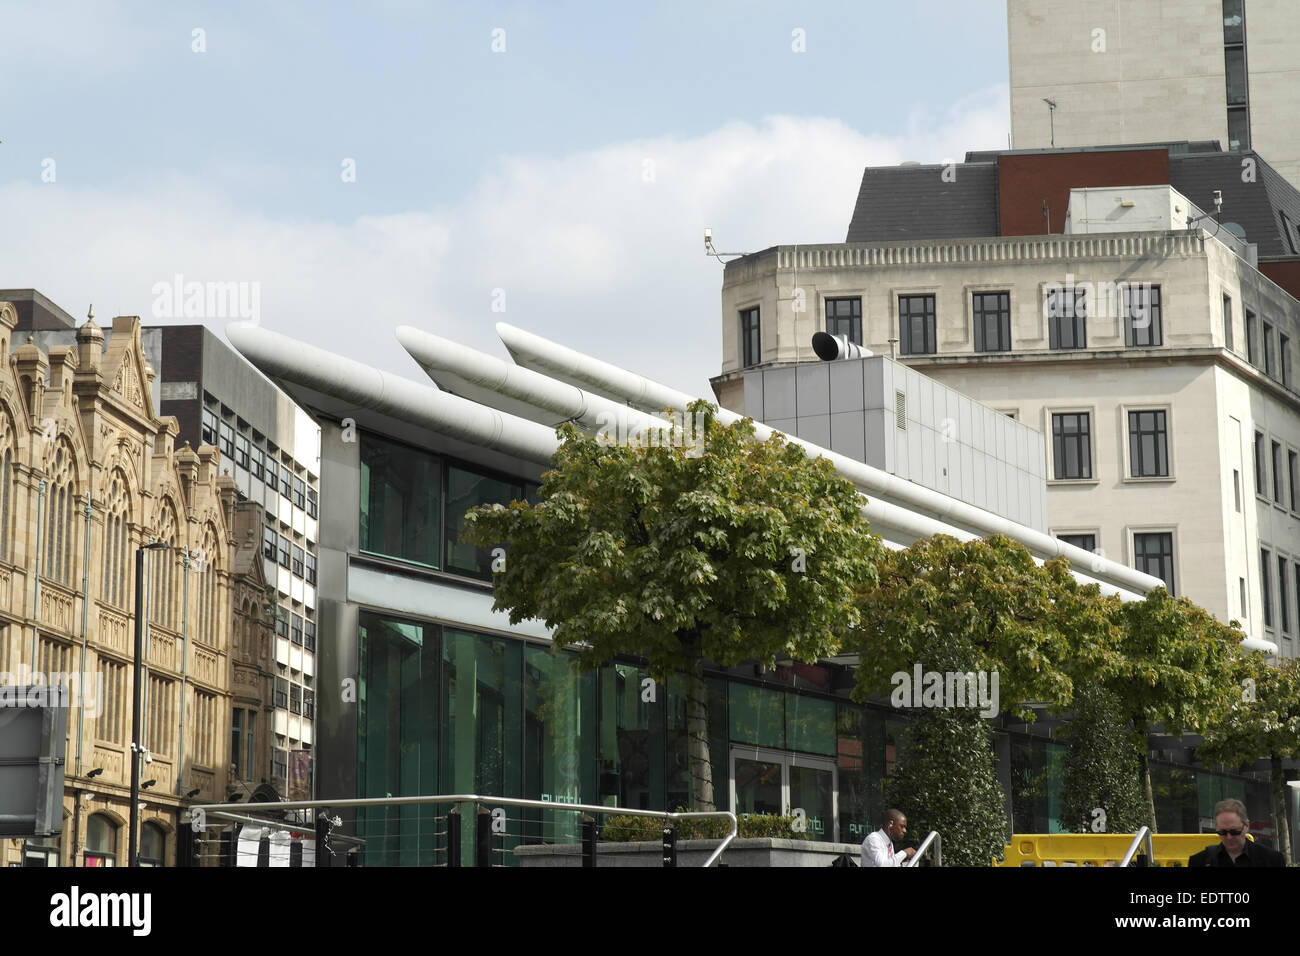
<point x="1223" y="833"/>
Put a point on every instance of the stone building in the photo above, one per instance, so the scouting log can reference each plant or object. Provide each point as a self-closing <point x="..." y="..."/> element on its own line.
<point x="88" y="473"/>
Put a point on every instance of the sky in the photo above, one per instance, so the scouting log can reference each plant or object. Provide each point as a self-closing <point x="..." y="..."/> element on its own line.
<point x="357" y="167"/>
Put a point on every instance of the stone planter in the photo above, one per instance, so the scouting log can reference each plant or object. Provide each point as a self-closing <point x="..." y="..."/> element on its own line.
<point x="758" y="851"/>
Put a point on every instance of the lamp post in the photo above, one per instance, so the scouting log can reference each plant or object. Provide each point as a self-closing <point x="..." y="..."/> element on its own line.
<point x="133" y="858"/>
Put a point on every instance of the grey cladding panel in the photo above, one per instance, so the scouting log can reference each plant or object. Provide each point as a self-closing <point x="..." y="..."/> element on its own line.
<point x="846" y="386"/>
<point x="778" y="394"/>
<point x="813" y="395"/>
<point x="848" y="434"/>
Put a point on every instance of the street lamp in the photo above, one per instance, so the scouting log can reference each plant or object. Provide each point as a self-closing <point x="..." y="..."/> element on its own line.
<point x="133" y="850"/>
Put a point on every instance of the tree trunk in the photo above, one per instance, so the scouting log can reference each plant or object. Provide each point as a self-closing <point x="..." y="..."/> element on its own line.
<point x="697" y="736"/>
<point x="1279" y="807"/>
<point x="1144" y="766"/>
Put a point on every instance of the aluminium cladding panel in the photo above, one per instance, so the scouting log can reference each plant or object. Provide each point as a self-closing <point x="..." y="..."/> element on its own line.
<point x="812" y="390"/>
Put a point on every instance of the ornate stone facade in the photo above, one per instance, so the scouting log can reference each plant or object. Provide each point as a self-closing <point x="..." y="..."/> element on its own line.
<point x="88" y="473"/>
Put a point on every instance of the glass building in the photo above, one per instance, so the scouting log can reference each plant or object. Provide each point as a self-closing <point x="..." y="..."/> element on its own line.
<point x="440" y="694"/>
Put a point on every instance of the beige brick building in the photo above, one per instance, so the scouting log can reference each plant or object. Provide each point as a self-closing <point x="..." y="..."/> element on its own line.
<point x="89" y="472"/>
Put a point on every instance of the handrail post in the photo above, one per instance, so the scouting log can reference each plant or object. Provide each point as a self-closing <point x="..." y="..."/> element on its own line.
<point x="670" y="846"/>
<point x="453" y="836"/>
<point x="588" y="840"/>
<point x="483" y="841"/>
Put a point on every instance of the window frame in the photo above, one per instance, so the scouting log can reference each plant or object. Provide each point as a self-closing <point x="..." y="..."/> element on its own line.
<point x="1056" y="319"/>
<point x="1227" y="323"/>
<point x="1154" y="330"/>
<point x="1093" y="533"/>
<point x="1266" y="581"/>
<point x="930" y="320"/>
<point x="1157" y="530"/>
<point x="1275" y="461"/>
<point x="1090" y="414"/>
<point x="1001" y="315"/>
<point x="751" y="336"/>
<point x="854" y="320"/>
<point x="1130" y="471"/>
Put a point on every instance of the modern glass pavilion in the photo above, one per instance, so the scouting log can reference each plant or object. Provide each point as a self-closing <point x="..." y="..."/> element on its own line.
<point x="437" y="693"/>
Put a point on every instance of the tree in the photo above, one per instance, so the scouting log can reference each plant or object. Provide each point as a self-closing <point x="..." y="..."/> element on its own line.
<point x="958" y="795"/>
<point x="1101" y="769"/>
<point x="946" y="608"/>
<point x="725" y="550"/>
<point x="1263" y="722"/>
<point x="1167" y="664"/>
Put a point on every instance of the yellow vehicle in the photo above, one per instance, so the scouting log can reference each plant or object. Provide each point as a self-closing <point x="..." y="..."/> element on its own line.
<point x="1099" y="849"/>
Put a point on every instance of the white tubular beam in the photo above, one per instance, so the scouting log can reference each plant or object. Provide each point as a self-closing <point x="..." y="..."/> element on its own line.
<point x="617" y="383"/>
<point x="282" y="358"/>
<point x="518" y="390"/>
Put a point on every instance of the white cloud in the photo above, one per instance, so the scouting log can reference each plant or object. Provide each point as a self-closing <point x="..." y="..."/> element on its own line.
<point x="588" y="251"/>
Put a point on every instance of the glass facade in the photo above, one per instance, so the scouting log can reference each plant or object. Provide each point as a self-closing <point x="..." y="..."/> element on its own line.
<point x="401" y="507"/>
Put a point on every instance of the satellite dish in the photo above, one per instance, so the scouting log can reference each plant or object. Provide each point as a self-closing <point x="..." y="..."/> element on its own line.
<point x="1236" y="230"/>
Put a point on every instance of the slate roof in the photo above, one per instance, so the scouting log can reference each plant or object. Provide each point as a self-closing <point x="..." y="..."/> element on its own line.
<point x="914" y="202"/>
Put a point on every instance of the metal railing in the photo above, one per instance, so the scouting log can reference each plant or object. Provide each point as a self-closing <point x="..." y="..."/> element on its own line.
<point x="1142" y="836"/>
<point x="233" y="815"/>
<point x="934" y="839"/>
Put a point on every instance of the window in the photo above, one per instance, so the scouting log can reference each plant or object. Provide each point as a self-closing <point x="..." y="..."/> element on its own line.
<point x="241" y="451"/>
<point x="296" y="629"/>
<point x="269" y="539"/>
<point x="272" y="473"/>
<point x="1227" y="323"/>
<point x="1269" y="365"/>
<point x="256" y="466"/>
<point x="1293" y="471"/>
<point x="1153" y="554"/>
<point x="286" y="480"/>
<point x="1238" y="129"/>
<point x="208" y="433"/>
<point x="1067" y="318"/>
<point x="1072" y="445"/>
<point x="281" y="622"/>
<point x="1296" y="567"/>
<point x="249" y="739"/>
<point x="1142" y="315"/>
<point x="1284" y="611"/>
<point x="281" y="692"/>
<point x="1284" y="358"/>
<point x="101" y="841"/>
<point x="1235" y="75"/>
<point x="227" y="441"/>
<point x="297" y="560"/>
<point x="1088" y="542"/>
<point x="285" y="550"/>
<point x="916" y="324"/>
<point x="237" y="740"/>
<point x="153" y="845"/>
<point x="1241" y="583"/>
<point x="113" y="690"/>
<point x="295" y="699"/>
<point x="1252" y="338"/>
<point x="1148" y="444"/>
<point x="465" y="490"/>
<point x="844" y="317"/>
<point x="309" y="567"/>
<point x="750" y="351"/>
<point x="205" y="722"/>
<point x="308" y="703"/>
<point x="992" y="321"/>
<point x="279" y="766"/>
<point x="1236" y="489"/>
<point x="1265" y="577"/>
<point x="1278" y="478"/>
<point x="311" y="502"/>
<point x="401" y="509"/>
<point x="1232" y="23"/>
<point x="1261" y="478"/>
<point x="299" y="493"/>
<point x="309" y="635"/>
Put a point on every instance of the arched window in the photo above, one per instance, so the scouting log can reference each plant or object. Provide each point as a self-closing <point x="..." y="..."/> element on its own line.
<point x="163" y="569"/>
<point x="117" y="507"/>
<point x="153" y="844"/>
<point x="6" y="482"/>
<point x="101" y="841"/>
<point x="209" y="622"/>
<point x="61" y="514"/>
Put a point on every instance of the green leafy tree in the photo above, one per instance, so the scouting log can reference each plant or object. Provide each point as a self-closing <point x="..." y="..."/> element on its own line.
<point x="1101" y="768"/>
<point x="965" y="607"/>
<point x="1263" y="722"/>
<point x="1167" y="664"/>
<point x="727" y="550"/>
<point x="945" y="780"/>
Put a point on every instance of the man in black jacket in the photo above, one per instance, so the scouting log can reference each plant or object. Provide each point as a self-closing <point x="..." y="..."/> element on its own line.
<point x="1230" y="820"/>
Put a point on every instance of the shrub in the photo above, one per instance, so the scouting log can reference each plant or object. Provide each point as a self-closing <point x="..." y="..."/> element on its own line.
<point x="631" y="829"/>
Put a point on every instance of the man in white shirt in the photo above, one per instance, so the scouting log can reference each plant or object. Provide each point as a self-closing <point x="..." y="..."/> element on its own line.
<point x="878" y="847"/>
